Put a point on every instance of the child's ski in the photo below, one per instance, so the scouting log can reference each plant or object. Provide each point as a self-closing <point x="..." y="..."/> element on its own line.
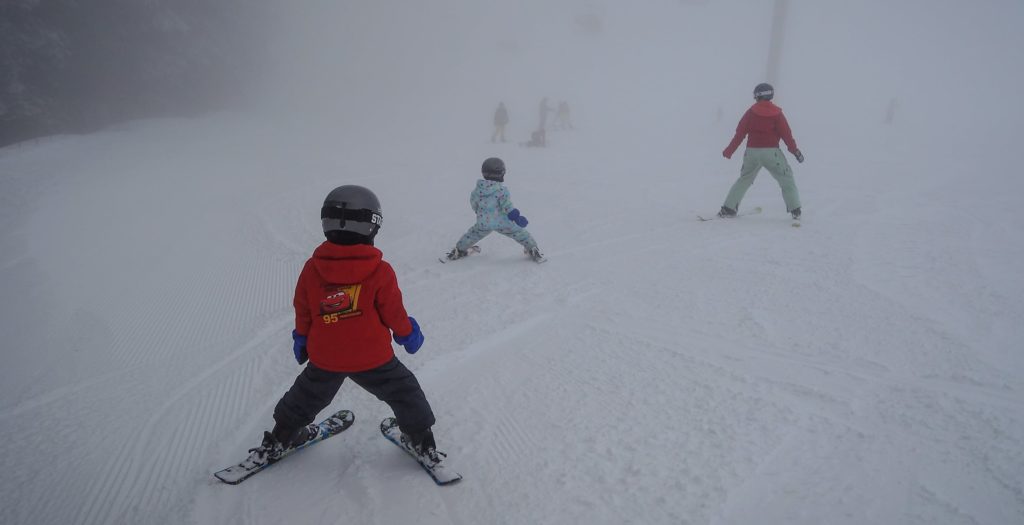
<point x="751" y="211"/>
<point x="440" y="472"/>
<point x="471" y="251"/>
<point x="332" y="426"/>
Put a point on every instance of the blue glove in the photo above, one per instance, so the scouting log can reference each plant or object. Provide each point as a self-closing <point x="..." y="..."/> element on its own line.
<point x="799" y="156"/>
<point x="414" y="340"/>
<point x="299" y="347"/>
<point x="517" y="218"/>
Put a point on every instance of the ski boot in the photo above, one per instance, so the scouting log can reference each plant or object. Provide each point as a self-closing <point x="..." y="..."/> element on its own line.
<point x="796" y="213"/>
<point x="456" y="253"/>
<point x="296" y="438"/>
<point x="534" y="253"/>
<point x="268" y="452"/>
<point x="726" y="213"/>
<point x="423" y="445"/>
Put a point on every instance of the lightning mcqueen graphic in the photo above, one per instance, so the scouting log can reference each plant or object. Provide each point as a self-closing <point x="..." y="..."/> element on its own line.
<point x="337" y="301"/>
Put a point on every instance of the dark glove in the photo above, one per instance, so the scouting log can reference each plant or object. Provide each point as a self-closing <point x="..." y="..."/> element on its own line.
<point x="414" y="340"/>
<point x="517" y="218"/>
<point x="799" y="156"/>
<point x="726" y="154"/>
<point x="299" y="347"/>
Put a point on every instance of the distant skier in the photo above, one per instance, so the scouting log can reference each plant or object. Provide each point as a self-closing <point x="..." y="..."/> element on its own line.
<point x="495" y="213"/>
<point x="763" y="125"/>
<point x="347" y="305"/>
<point x="563" y="119"/>
<point x="890" y="110"/>
<point x="544" y="109"/>
<point x="500" y="120"/>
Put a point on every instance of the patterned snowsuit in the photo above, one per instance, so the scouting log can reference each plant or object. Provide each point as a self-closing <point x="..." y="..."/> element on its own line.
<point x="492" y="203"/>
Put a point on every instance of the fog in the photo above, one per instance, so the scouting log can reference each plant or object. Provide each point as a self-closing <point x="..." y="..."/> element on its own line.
<point x="398" y="70"/>
<point x="645" y="68"/>
<point x="444" y="67"/>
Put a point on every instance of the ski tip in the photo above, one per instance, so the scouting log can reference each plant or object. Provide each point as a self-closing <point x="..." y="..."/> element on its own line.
<point x="445" y="483"/>
<point x="228" y="480"/>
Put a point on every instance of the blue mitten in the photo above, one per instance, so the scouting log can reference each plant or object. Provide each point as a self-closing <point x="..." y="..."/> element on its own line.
<point x="414" y="340"/>
<point x="517" y="218"/>
<point x="299" y="347"/>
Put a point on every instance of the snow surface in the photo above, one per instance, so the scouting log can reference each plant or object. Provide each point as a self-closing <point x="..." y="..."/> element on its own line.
<point x="864" y="368"/>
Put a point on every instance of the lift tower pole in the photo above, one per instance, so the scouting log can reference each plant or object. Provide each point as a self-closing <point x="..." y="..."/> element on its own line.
<point x="775" y="47"/>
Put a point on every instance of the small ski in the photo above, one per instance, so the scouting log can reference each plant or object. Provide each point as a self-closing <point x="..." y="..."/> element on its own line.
<point x="471" y="251"/>
<point x="330" y="427"/>
<point x="751" y="211"/>
<point x="440" y="472"/>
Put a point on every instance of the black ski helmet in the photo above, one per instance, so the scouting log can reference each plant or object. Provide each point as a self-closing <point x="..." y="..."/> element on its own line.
<point x="764" y="91"/>
<point x="493" y="169"/>
<point x="352" y="209"/>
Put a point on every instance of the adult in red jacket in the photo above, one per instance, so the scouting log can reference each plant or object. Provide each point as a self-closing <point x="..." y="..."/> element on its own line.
<point x="763" y="125"/>
<point x="347" y="306"/>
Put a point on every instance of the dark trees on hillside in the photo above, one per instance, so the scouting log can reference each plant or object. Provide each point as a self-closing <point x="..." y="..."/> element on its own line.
<point x="76" y="65"/>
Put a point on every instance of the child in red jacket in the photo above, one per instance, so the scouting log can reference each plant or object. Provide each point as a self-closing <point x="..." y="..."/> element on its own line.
<point x="763" y="125"/>
<point x="347" y="305"/>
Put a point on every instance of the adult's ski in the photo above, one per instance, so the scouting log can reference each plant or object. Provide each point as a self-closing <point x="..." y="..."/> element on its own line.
<point x="751" y="211"/>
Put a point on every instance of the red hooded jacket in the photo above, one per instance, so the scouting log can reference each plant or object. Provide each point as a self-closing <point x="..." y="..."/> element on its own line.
<point x="763" y="124"/>
<point x="347" y="303"/>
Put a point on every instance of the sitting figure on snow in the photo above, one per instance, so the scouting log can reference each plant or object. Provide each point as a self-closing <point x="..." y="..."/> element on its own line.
<point x="494" y="212"/>
<point x="538" y="139"/>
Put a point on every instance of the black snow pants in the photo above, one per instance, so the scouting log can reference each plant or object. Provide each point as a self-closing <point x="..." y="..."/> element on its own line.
<point x="391" y="383"/>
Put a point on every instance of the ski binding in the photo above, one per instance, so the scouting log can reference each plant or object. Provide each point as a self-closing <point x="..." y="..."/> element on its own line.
<point x="471" y="251"/>
<point x="438" y="470"/>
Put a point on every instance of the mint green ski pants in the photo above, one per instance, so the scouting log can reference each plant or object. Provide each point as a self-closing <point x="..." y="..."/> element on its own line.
<point x="775" y="162"/>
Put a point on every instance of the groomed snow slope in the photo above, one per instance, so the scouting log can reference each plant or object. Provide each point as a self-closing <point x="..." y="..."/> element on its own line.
<point x="656" y="370"/>
<point x="864" y="368"/>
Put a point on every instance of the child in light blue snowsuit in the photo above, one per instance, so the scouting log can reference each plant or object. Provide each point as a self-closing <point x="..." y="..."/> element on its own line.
<point x="495" y="213"/>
